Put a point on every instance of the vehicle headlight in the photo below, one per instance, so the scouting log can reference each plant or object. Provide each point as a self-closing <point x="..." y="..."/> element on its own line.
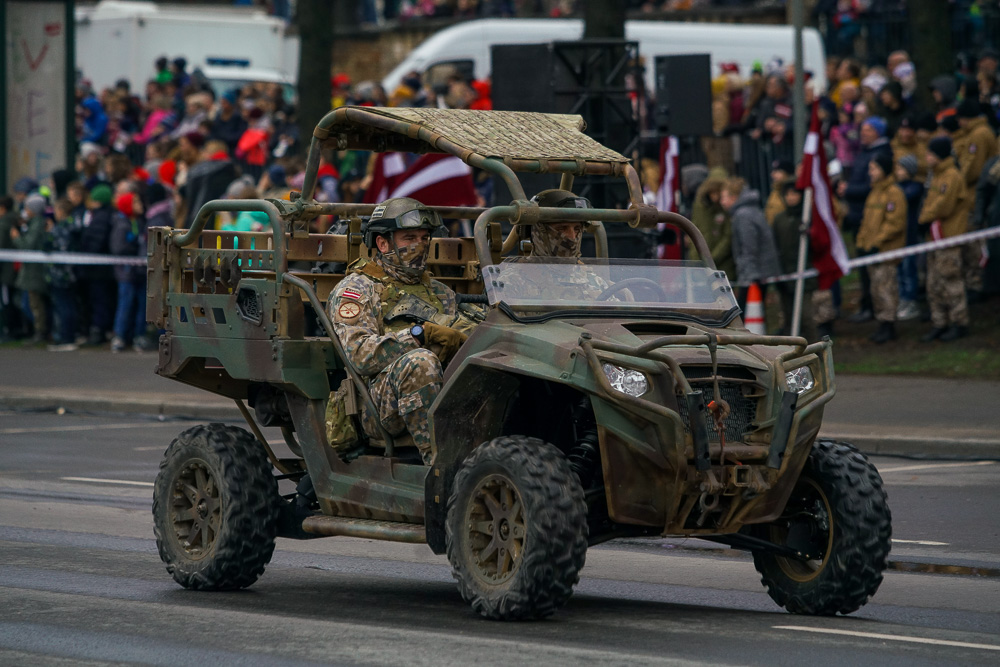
<point x="800" y="380"/>
<point x="626" y="380"/>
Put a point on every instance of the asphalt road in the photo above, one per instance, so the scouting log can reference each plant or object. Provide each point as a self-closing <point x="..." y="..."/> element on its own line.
<point x="80" y="581"/>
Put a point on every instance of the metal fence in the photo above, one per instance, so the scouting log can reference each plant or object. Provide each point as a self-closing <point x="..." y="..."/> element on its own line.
<point x="872" y="37"/>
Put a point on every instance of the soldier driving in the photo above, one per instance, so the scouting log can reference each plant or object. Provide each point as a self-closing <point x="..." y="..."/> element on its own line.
<point x="397" y="325"/>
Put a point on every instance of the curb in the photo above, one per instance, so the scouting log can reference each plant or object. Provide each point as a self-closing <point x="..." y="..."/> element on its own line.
<point x="156" y="406"/>
<point x="935" y="445"/>
<point x="919" y="446"/>
<point x="908" y="563"/>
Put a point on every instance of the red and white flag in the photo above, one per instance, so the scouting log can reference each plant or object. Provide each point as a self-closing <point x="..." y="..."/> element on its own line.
<point x="829" y="254"/>
<point x="435" y="179"/>
<point x="666" y="194"/>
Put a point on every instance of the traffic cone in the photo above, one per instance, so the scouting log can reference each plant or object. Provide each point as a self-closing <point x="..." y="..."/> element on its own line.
<point x="753" y="318"/>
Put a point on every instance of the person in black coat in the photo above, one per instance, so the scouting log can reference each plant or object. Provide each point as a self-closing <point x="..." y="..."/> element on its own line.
<point x="95" y="238"/>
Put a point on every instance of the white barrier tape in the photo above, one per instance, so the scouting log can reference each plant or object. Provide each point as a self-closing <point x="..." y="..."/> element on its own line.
<point x="890" y="255"/>
<point x="78" y="258"/>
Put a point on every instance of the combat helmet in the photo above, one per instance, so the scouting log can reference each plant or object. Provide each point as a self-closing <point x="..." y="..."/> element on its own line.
<point x="396" y="214"/>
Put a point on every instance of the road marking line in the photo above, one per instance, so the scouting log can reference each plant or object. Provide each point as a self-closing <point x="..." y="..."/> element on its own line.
<point x="157" y="448"/>
<point x="106" y="481"/>
<point x="935" y="466"/>
<point x="83" y="427"/>
<point x="924" y="543"/>
<point x="895" y="638"/>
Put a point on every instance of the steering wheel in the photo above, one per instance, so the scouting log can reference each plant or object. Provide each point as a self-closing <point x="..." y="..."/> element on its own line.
<point x="631" y="283"/>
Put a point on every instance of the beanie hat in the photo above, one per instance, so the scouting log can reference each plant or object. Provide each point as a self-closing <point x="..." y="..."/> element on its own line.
<point x="167" y="172"/>
<point x="126" y="204"/>
<point x="197" y="139"/>
<point x="909" y="163"/>
<point x="155" y="193"/>
<point x="950" y="123"/>
<point x="101" y="194"/>
<point x="876" y="123"/>
<point x="35" y="205"/>
<point x="884" y="161"/>
<point x="24" y="185"/>
<point x="927" y="122"/>
<point x="969" y="108"/>
<point x="88" y="148"/>
<point x="940" y="146"/>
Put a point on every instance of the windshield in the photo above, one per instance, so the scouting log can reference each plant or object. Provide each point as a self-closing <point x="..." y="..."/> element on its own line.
<point x="541" y="284"/>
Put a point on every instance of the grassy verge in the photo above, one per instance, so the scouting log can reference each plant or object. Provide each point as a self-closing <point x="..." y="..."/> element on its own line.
<point x="976" y="356"/>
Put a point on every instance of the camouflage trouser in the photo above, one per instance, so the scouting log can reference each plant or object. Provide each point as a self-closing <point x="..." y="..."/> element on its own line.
<point x="824" y="309"/>
<point x="946" y="289"/>
<point x="885" y="290"/>
<point x="972" y="273"/>
<point x="403" y="394"/>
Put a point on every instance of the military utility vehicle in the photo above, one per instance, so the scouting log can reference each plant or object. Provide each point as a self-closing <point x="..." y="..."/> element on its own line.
<point x="570" y="417"/>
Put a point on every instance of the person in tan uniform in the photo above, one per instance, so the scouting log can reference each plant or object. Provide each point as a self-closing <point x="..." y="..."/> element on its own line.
<point x="944" y="214"/>
<point x="974" y="143"/>
<point x="906" y="142"/>
<point x="883" y="228"/>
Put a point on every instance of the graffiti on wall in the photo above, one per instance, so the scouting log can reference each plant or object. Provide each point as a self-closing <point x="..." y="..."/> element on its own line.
<point x="36" y="89"/>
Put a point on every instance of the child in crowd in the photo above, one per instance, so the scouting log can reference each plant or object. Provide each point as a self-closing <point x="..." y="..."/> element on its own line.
<point x="62" y="281"/>
<point x="128" y="234"/>
<point x="908" y="180"/>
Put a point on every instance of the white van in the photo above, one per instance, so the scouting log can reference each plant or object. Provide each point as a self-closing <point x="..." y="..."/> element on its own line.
<point x="466" y="46"/>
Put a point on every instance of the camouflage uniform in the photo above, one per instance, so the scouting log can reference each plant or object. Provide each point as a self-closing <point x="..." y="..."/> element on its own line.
<point x="883" y="228"/>
<point x="403" y="377"/>
<point x="974" y="146"/>
<point x="944" y="209"/>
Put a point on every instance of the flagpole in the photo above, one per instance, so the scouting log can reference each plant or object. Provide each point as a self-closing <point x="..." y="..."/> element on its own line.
<point x="807" y="201"/>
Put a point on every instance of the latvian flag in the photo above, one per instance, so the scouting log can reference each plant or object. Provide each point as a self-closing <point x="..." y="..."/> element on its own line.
<point x="829" y="254"/>
<point x="435" y="179"/>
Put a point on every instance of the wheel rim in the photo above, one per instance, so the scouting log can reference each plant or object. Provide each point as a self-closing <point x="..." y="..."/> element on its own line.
<point x="497" y="534"/>
<point x="196" y="509"/>
<point x="806" y="525"/>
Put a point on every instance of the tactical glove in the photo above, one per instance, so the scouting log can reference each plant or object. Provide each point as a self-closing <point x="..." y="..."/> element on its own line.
<point x="444" y="341"/>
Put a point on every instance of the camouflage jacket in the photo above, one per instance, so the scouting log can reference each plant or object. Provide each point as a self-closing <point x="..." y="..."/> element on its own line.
<point x="361" y="306"/>
<point x="945" y="200"/>
<point x="884" y="223"/>
<point x="973" y="146"/>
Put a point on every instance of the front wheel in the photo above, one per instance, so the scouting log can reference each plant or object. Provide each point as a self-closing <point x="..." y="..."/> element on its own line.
<point x="839" y="518"/>
<point x="215" y="508"/>
<point x="516" y="529"/>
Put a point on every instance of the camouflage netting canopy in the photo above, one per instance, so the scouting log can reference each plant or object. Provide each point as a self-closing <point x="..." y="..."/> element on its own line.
<point x="507" y="135"/>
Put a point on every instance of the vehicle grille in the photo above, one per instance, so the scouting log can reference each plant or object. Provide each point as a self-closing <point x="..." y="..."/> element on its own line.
<point x="743" y="410"/>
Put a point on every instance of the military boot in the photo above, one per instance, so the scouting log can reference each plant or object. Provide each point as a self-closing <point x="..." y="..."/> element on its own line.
<point x="886" y="332"/>
<point x="954" y="333"/>
<point x="933" y="334"/>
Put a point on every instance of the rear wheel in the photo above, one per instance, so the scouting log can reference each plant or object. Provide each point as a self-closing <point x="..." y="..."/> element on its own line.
<point x="839" y="518"/>
<point x="516" y="529"/>
<point x="215" y="508"/>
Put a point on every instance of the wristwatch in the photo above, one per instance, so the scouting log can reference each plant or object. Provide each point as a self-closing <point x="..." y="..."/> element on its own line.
<point x="417" y="332"/>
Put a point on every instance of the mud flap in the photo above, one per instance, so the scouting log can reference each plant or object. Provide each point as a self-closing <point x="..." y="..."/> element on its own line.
<point x="699" y="431"/>
<point x="782" y="429"/>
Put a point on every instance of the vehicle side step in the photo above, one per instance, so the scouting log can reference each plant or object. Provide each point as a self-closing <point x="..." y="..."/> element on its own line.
<point x="346" y="526"/>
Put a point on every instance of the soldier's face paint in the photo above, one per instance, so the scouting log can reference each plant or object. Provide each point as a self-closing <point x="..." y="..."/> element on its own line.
<point x="559" y="239"/>
<point x="407" y="260"/>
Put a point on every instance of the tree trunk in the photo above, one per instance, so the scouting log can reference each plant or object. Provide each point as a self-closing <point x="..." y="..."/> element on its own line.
<point x="315" y="22"/>
<point x="931" y="40"/>
<point x="604" y="19"/>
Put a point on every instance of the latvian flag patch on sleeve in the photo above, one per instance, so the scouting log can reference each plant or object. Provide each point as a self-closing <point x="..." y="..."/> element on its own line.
<point x="350" y="294"/>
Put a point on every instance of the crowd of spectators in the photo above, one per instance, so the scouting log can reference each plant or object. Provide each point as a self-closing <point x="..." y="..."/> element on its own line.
<point x="902" y="173"/>
<point x="154" y="158"/>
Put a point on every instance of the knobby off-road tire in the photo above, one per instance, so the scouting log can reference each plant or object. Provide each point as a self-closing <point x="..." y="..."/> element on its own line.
<point x="516" y="529"/>
<point x="838" y="510"/>
<point x="215" y="508"/>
